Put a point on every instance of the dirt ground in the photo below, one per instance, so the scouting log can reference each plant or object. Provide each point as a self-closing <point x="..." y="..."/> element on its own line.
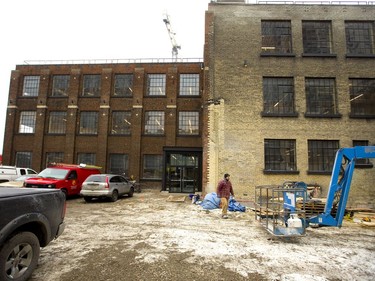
<point x="147" y="237"/>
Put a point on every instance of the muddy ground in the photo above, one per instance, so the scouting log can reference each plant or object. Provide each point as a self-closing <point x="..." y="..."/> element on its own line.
<point x="147" y="237"/>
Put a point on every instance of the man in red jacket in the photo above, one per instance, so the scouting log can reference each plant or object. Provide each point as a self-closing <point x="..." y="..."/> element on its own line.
<point x="224" y="190"/>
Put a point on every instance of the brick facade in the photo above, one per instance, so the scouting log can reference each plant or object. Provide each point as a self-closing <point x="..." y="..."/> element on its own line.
<point x="102" y="144"/>
<point x="237" y="128"/>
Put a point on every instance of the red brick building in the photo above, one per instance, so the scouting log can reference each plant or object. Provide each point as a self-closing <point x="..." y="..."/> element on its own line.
<point x="139" y="119"/>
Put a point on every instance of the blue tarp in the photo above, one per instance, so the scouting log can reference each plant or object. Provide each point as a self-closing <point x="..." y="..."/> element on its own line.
<point x="211" y="201"/>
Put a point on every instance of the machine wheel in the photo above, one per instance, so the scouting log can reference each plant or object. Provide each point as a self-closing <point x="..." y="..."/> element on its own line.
<point x="19" y="257"/>
<point x="114" y="196"/>
<point x="131" y="192"/>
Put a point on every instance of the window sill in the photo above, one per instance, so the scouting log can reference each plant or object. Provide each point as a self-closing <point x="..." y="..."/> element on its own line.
<point x="319" y="172"/>
<point x="319" y="55"/>
<point x="311" y="115"/>
<point x="264" y="114"/>
<point x="277" y="172"/>
<point x="364" y="166"/>
<point x="277" y="55"/>
<point x="370" y="56"/>
<point x="367" y="116"/>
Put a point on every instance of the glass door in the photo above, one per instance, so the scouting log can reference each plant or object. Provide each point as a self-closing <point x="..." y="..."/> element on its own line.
<point x="182" y="172"/>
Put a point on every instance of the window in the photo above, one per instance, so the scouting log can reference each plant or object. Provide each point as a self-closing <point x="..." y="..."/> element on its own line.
<point x="189" y="85"/>
<point x="278" y="96"/>
<point x="60" y="85"/>
<point x="362" y="97"/>
<point x="119" y="164"/>
<point x="362" y="163"/>
<point x="86" y="158"/>
<point x="276" y="37"/>
<point x="121" y="123"/>
<point x="88" y="123"/>
<point x="360" y="39"/>
<point x="30" y="86"/>
<point x="54" y="157"/>
<point x="57" y="122"/>
<point x="91" y="86"/>
<point x="322" y="155"/>
<point x="156" y="85"/>
<point x="317" y="38"/>
<point x="152" y="167"/>
<point x="154" y="123"/>
<point x="27" y="122"/>
<point x="23" y="159"/>
<point x="321" y="97"/>
<point x="280" y="155"/>
<point x="123" y="85"/>
<point x="188" y="123"/>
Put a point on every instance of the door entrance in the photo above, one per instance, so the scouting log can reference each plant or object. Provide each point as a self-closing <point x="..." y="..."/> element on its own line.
<point x="183" y="171"/>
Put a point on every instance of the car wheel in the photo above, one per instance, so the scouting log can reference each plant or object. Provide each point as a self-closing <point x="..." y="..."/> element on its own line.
<point x="87" y="199"/>
<point x="131" y="192"/>
<point x="114" y="196"/>
<point x="19" y="257"/>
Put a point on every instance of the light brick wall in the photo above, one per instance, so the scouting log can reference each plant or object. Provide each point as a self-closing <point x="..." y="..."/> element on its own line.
<point x="238" y="131"/>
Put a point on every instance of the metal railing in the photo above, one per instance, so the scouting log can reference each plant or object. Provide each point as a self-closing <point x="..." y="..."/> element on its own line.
<point x="314" y="2"/>
<point x="113" y="61"/>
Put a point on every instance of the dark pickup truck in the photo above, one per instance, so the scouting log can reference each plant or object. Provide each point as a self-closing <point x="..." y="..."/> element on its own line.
<point x="29" y="219"/>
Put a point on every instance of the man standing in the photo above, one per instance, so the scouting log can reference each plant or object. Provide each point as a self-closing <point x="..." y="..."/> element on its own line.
<point x="224" y="190"/>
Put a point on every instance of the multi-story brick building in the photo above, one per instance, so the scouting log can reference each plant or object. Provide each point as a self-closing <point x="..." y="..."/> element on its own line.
<point x="290" y="84"/>
<point x="141" y="119"/>
<point x="282" y="87"/>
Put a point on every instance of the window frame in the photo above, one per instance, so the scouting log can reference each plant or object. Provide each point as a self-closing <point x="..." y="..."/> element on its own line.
<point x="273" y="37"/>
<point x="353" y="31"/>
<point x="31" y="84"/>
<point x="60" y="122"/>
<point x="28" y="120"/>
<point x="189" y="83"/>
<point x="24" y="163"/>
<point x="57" y="157"/>
<point x="194" y="123"/>
<point x="157" y="172"/>
<point x="320" y="151"/>
<point x="150" y="123"/>
<point x="60" y="84"/>
<point x="121" y="169"/>
<point x="357" y="104"/>
<point x="91" y="86"/>
<point x="91" y="126"/>
<point x="125" y="129"/>
<point x="315" y="89"/>
<point x="90" y="158"/>
<point x="312" y="31"/>
<point x="283" y="149"/>
<point x="156" y="81"/>
<point x="279" y="83"/>
<point x="123" y="85"/>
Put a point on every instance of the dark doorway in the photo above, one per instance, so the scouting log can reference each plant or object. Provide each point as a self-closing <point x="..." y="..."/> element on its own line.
<point x="183" y="170"/>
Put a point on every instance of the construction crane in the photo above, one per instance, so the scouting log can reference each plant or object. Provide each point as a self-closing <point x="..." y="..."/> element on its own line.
<point x="175" y="46"/>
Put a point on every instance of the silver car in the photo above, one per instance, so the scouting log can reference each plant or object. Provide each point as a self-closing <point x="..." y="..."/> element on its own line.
<point x="106" y="186"/>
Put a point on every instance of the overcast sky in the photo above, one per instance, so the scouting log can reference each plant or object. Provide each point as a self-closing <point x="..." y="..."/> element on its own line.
<point x="83" y="29"/>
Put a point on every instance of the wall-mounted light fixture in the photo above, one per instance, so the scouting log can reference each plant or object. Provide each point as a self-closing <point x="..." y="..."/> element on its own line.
<point x="245" y="63"/>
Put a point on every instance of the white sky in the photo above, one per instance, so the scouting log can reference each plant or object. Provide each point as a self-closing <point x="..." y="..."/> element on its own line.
<point x="82" y="29"/>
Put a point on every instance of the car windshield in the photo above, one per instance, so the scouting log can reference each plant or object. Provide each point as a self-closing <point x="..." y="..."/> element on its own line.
<point x="53" y="173"/>
<point x="96" y="178"/>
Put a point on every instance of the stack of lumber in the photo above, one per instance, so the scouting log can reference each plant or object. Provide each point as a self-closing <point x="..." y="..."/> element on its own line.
<point x="314" y="207"/>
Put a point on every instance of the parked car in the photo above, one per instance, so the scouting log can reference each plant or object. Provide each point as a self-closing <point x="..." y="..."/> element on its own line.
<point x="30" y="218"/>
<point x="10" y="173"/>
<point x="67" y="177"/>
<point x="106" y="186"/>
<point x="18" y="182"/>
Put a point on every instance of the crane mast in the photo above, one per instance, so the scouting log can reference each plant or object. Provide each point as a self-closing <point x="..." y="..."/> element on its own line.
<point x="175" y="46"/>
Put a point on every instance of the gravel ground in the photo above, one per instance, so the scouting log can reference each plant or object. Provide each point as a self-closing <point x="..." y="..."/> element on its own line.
<point x="147" y="237"/>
